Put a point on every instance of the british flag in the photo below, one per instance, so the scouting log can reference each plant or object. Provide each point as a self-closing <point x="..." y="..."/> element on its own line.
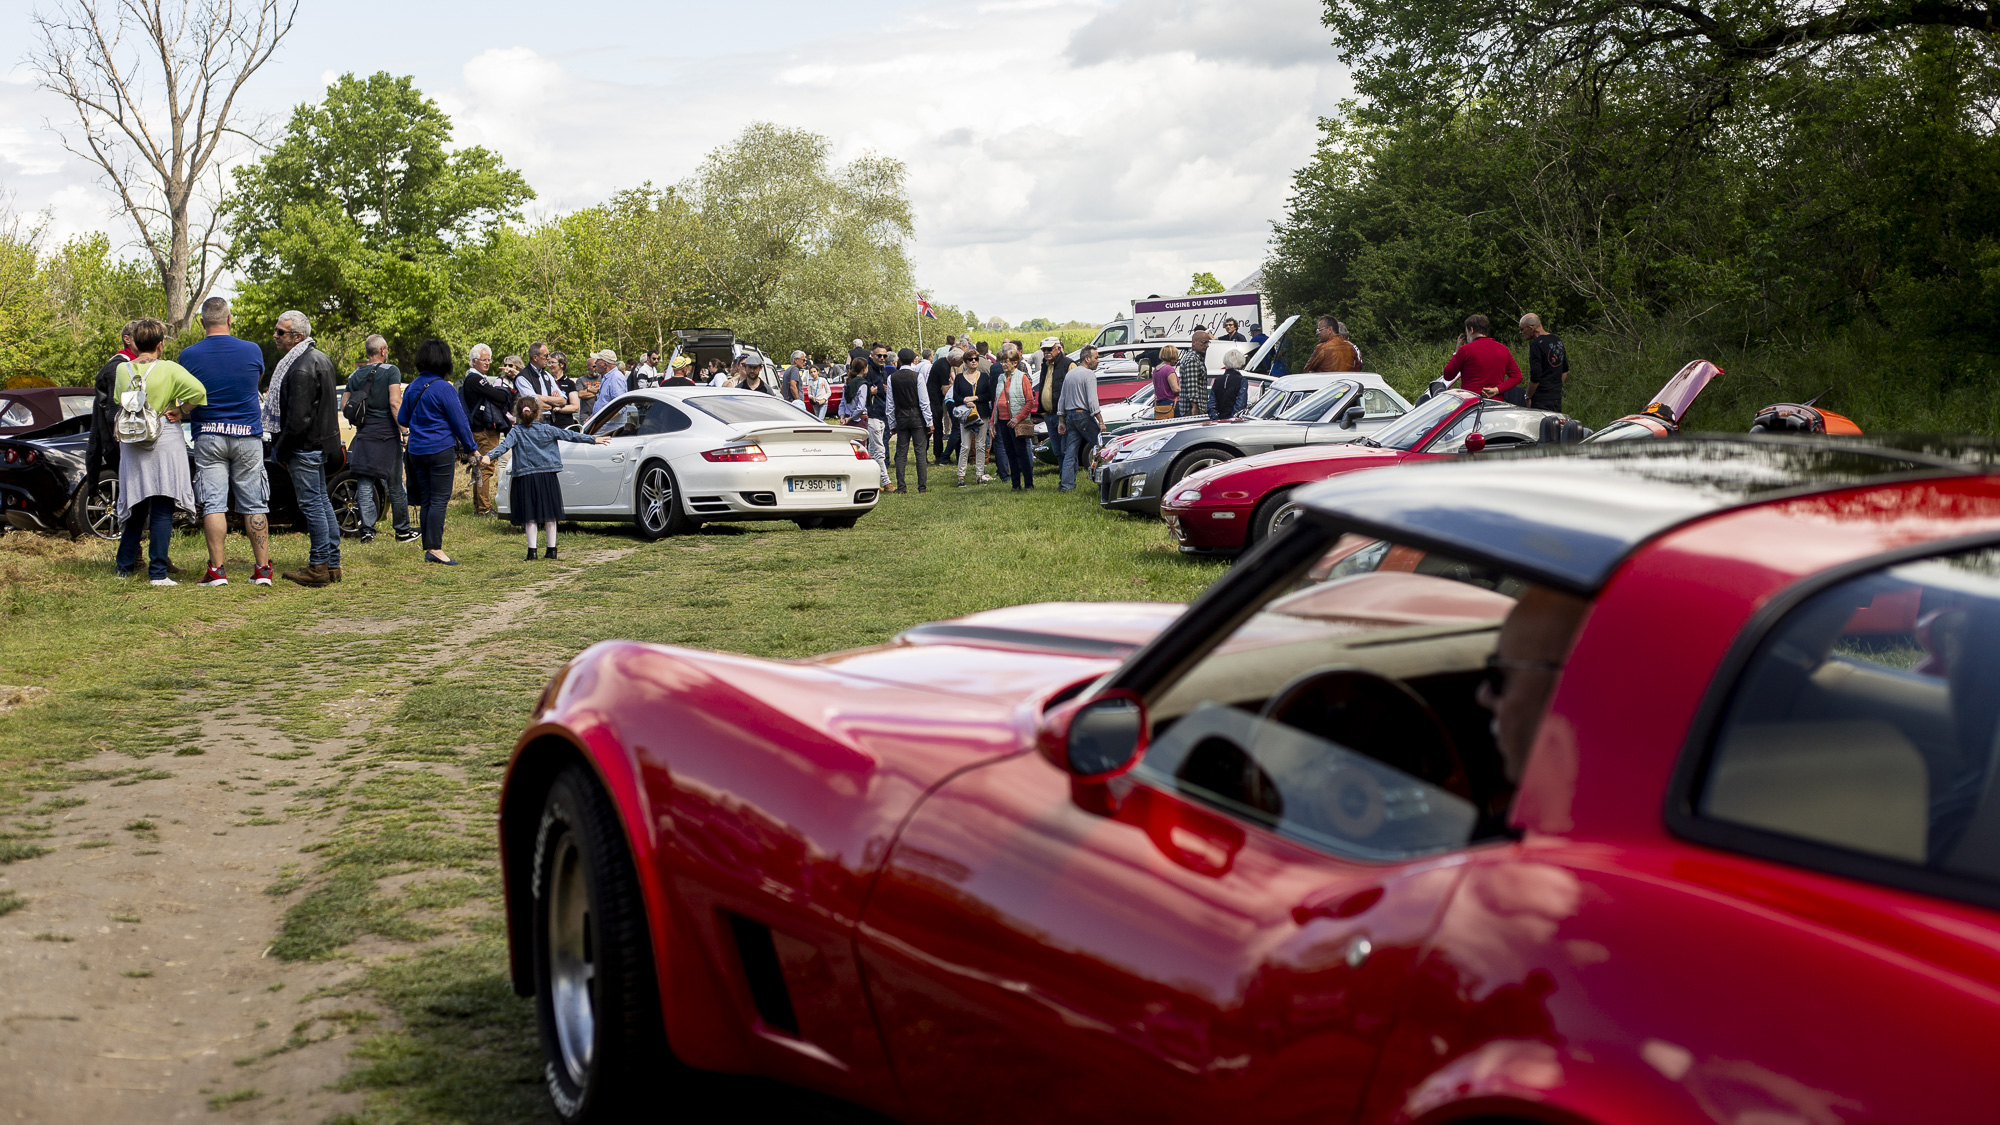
<point x="924" y="307"/>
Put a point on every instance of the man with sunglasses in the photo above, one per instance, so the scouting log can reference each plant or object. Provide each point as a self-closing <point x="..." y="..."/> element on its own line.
<point x="1521" y="674"/>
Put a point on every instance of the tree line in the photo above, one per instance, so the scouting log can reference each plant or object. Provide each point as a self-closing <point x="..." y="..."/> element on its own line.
<point x="1752" y="174"/>
<point x="362" y="215"/>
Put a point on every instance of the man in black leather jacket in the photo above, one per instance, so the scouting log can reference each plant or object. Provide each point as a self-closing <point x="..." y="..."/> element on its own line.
<point x="307" y="441"/>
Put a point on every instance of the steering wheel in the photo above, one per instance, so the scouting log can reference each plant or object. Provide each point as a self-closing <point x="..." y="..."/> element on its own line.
<point x="1376" y="716"/>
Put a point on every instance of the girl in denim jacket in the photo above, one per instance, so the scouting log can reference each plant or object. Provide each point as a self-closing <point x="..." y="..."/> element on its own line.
<point x="535" y="496"/>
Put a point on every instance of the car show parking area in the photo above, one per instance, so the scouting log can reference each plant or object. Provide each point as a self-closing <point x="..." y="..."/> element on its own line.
<point x="316" y="774"/>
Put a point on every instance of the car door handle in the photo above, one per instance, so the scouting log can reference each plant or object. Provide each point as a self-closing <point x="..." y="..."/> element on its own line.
<point x="1337" y="903"/>
<point x="617" y="457"/>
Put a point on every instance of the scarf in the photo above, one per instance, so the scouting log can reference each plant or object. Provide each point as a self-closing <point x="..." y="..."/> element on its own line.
<point x="274" y="414"/>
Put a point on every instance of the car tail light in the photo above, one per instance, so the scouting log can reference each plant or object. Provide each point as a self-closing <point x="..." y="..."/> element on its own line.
<point x="747" y="452"/>
<point x="860" y="450"/>
<point x="18" y="456"/>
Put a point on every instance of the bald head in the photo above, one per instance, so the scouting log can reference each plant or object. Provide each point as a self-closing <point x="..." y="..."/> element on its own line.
<point x="1534" y="643"/>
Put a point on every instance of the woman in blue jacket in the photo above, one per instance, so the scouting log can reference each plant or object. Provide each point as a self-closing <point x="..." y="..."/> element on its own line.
<point x="535" y="496"/>
<point x="439" y="436"/>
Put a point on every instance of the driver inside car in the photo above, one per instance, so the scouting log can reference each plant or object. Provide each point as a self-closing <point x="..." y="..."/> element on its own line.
<point x="1521" y="674"/>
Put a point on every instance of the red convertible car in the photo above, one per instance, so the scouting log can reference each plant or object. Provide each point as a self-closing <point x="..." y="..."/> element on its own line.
<point x="1726" y="850"/>
<point x="1225" y="508"/>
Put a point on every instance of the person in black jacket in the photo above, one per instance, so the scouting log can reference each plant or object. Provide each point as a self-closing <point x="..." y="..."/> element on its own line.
<point x="908" y="411"/>
<point x="300" y="408"/>
<point x="937" y="383"/>
<point x="101" y="454"/>
<point x="486" y="399"/>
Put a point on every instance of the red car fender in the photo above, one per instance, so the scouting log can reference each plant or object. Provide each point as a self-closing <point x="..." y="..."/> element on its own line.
<point x="700" y="1024"/>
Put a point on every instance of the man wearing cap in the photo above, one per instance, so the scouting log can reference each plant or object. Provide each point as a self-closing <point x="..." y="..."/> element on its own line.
<point x="1055" y="365"/>
<point x="679" y="378"/>
<point x="753" y="373"/>
<point x="610" y="380"/>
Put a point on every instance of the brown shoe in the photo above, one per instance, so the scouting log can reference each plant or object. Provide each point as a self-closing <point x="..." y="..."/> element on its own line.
<point x="333" y="574"/>
<point x="314" y="576"/>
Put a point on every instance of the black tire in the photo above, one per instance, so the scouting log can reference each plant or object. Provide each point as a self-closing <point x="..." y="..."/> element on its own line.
<point x="94" y="511"/>
<point x="656" y="502"/>
<point x="1274" y="514"/>
<point x="810" y="523"/>
<point x="345" y="493"/>
<point x="836" y="522"/>
<point x="1193" y="461"/>
<point x="596" y="1002"/>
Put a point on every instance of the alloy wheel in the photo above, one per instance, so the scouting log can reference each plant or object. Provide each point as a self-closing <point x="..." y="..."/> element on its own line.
<point x="346" y="497"/>
<point x="656" y="495"/>
<point x="572" y="960"/>
<point x="101" y="509"/>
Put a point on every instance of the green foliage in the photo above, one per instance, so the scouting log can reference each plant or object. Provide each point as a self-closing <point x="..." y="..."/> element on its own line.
<point x="361" y="218"/>
<point x="1506" y="160"/>
<point x="1204" y="282"/>
<point x="61" y="310"/>
<point x="1037" y="324"/>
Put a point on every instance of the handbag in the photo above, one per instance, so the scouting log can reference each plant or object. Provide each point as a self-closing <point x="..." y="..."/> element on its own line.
<point x="137" y="422"/>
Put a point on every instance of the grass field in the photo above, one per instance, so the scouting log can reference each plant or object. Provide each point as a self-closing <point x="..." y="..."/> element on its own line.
<point x="443" y="665"/>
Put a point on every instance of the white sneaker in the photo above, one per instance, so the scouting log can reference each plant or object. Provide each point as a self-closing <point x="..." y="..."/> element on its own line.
<point x="164" y="582"/>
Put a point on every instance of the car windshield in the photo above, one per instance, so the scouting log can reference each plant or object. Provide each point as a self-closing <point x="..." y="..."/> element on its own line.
<point x="1407" y="431"/>
<point x="1271" y="403"/>
<point x="736" y="410"/>
<point x="1314" y="406"/>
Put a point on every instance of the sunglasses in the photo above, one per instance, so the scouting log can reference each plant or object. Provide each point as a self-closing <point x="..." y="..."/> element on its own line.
<point x="1495" y="676"/>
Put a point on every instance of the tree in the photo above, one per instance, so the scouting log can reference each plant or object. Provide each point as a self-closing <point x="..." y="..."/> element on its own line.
<point x="360" y="218"/>
<point x="153" y="85"/>
<point x="798" y="253"/>
<point x="1204" y="282"/>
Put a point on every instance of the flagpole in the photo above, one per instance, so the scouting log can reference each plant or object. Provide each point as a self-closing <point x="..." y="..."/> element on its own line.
<point x="920" y="328"/>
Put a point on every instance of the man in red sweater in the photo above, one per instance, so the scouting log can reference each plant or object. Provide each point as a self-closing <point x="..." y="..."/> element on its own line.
<point x="1482" y="363"/>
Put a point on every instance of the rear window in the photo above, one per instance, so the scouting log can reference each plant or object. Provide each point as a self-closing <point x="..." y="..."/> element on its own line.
<point x="737" y="410"/>
<point x="1864" y="733"/>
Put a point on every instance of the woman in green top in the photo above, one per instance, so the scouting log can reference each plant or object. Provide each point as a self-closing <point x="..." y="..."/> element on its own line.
<point x="153" y="477"/>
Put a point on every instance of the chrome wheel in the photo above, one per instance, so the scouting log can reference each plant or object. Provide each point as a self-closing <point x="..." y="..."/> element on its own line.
<point x="572" y="959"/>
<point x="100" y="509"/>
<point x="345" y="495"/>
<point x="1286" y="515"/>
<point x="656" y="501"/>
<point x="1204" y="461"/>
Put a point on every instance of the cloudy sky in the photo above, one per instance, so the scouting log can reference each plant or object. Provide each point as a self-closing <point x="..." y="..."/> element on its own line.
<point x="1064" y="155"/>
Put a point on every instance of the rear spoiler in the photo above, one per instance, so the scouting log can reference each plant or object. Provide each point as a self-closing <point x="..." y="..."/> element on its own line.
<point x="831" y="431"/>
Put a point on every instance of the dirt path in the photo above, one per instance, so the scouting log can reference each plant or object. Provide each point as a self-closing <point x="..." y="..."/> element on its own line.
<point x="139" y="987"/>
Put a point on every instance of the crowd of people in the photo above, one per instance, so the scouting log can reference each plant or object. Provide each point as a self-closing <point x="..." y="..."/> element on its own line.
<point x="963" y="405"/>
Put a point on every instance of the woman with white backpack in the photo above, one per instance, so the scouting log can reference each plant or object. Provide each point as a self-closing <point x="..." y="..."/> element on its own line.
<point x="149" y="395"/>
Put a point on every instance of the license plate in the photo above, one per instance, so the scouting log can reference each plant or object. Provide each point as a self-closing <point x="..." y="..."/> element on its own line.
<point x="814" y="484"/>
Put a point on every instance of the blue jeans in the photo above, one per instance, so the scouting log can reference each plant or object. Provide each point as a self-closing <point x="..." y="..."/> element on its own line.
<point x="399" y="503"/>
<point x="1079" y="438"/>
<point x="154" y="517"/>
<point x="307" y="467"/>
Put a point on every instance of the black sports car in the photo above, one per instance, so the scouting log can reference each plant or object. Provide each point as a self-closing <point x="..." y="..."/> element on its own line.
<point x="42" y="485"/>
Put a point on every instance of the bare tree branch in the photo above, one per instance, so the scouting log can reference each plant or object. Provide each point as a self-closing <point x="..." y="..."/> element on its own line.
<point x="153" y="86"/>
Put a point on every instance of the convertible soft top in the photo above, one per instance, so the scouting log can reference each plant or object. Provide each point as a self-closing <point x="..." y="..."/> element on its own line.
<point x="1566" y="516"/>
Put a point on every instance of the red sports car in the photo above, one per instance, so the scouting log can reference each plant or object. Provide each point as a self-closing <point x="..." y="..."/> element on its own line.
<point x="1726" y="849"/>
<point x="1226" y="508"/>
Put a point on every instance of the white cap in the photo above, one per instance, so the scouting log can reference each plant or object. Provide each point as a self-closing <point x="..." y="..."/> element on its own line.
<point x="607" y="355"/>
<point x="1052" y="341"/>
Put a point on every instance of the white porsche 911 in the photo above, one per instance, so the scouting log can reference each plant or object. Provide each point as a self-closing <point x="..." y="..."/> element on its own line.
<point x="683" y="456"/>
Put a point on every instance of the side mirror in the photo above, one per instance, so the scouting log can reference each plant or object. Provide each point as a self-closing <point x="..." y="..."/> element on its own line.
<point x="1475" y="442"/>
<point x="1097" y="739"/>
<point x="1352" y="416"/>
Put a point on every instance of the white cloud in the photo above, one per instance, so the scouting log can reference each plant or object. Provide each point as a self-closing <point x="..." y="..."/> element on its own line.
<point x="1064" y="156"/>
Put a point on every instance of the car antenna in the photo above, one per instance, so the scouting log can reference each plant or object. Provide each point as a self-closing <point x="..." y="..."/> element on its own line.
<point x="1814" y="400"/>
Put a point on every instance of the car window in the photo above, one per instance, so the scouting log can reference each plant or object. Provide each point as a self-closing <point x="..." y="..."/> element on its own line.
<point x="661" y="418"/>
<point x="737" y="410"/>
<point x="1407" y="431"/>
<point x="14" y="412"/>
<point x="1452" y="440"/>
<point x="1864" y="725"/>
<point x="1110" y="336"/>
<point x="1314" y="406"/>
<point x="621" y="419"/>
<point x="1379" y="403"/>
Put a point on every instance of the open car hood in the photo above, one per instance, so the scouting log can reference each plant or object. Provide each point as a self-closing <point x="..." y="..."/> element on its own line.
<point x="1681" y="390"/>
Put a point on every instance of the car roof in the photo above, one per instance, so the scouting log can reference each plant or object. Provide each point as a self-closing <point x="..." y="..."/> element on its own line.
<point x="1568" y="515"/>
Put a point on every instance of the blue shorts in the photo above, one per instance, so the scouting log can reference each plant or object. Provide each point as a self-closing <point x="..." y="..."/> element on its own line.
<point x="226" y="462"/>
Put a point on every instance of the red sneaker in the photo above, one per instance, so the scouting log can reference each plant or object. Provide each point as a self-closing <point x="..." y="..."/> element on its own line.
<point x="261" y="576"/>
<point x="214" y="577"/>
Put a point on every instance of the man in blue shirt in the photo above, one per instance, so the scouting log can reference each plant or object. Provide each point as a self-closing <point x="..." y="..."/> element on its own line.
<point x="229" y="442"/>
<point x="611" y="381"/>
